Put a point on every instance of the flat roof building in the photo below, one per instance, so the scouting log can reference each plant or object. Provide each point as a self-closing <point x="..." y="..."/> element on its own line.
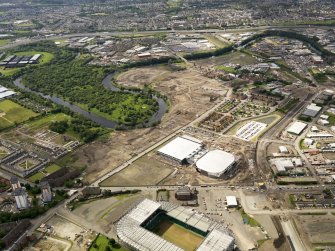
<point x="215" y="163"/>
<point x="312" y="110"/>
<point x="231" y="201"/>
<point x="181" y="148"/>
<point x="296" y="128"/>
<point x="283" y="149"/>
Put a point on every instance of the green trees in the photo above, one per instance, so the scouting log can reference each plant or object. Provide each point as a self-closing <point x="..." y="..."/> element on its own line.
<point x="81" y="84"/>
<point x="59" y="126"/>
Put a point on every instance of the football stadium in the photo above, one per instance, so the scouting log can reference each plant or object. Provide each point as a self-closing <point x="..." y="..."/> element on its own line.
<point x="164" y="226"/>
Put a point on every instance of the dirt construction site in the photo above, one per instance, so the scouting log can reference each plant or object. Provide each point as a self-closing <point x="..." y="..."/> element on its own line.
<point x="190" y="95"/>
<point x="316" y="230"/>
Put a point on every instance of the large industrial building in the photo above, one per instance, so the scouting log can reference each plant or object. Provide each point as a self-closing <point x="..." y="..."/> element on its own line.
<point x="312" y="110"/>
<point x="133" y="229"/>
<point x="181" y="149"/>
<point x="215" y="163"/>
<point x="297" y="128"/>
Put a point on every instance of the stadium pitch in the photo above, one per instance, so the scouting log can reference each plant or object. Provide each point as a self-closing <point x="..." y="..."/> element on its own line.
<point x="178" y="235"/>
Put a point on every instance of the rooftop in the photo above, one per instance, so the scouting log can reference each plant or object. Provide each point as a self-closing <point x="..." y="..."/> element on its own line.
<point x="181" y="148"/>
<point x="215" y="161"/>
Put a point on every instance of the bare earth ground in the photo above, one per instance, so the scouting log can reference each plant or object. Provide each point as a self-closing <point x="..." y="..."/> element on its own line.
<point x="189" y="94"/>
<point x="317" y="229"/>
<point x="65" y="229"/>
<point x="137" y="173"/>
<point x="105" y="212"/>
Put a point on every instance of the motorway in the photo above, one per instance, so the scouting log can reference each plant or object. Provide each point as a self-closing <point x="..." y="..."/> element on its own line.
<point x="116" y="33"/>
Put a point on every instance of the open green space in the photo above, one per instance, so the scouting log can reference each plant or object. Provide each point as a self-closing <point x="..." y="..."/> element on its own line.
<point x="52" y="168"/>
<point x="102" y="243"/>
<point x="4" y="42"/>
<point x="45" y="121"/>
<point x="13" y="113"/>
<point x="226" y="69"/>
<point x="8" y="71"/>
<point x="37" y="176"/>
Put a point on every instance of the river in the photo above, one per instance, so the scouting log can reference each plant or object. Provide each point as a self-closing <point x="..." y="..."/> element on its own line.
<point x="94" y="117"/>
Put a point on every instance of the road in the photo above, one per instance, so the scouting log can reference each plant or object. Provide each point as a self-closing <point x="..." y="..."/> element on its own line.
<point x="295" y="239"/>
<point x="162" y="141"/>
<point x="116" y="33"/>
<point x="270" y="135"/>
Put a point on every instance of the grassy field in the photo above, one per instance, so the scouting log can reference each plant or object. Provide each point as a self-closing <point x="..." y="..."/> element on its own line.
<point x="226" y="69"/>
<point x="102" y="242"/>
<point x="52" y="168"/>
<point x="36" y="176"/>
<point x="178" y="235"/>
<point x="39" y="175"/>
<point x="8" y="71"/>
<point x="46" y="121"/>
<point x="4" y="42"/>
<point x="13" y="113"/>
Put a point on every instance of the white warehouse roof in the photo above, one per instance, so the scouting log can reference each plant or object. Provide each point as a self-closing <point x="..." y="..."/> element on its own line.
<point x="297" y="128"/>
<point x="231" y="201"/>
<point x="216" y="162"/>
<point x="181" y="148"/>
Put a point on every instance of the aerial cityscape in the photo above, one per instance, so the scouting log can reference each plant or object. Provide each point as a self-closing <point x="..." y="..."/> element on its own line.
<point x="167" y="125"/>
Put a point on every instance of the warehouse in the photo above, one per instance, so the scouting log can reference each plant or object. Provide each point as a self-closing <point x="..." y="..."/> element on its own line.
<point x="215" y="163"/>
<point x="312" y="110"/>
<point x="296" y="128"/>
<point x="181" y="149"/>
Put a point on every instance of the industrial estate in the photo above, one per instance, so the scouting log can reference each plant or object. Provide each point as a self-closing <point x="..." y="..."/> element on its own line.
<point x="167" y="125"/>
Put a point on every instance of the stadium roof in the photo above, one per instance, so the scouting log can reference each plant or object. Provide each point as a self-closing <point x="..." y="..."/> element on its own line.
<point x="181" y="148"/>
<point x="144" y="210"/>
<point x="297" y="128"/>
<point x="190" y="217"/>
<point x="130" y="230"/>
<point x="215" y="161"/>
<point x="217" y="241"/>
